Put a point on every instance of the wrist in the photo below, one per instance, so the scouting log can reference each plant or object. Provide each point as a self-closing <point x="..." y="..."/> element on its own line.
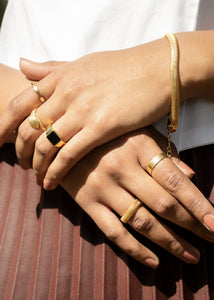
<point x="196" y="64"/>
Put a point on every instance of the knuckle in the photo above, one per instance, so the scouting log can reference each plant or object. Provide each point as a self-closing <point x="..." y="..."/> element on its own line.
<point x="136" y="140"/>
<point x="132" y="251"/>
<point x="165" y="206"/>
<point x="15" y="105"/>
<point x="68" y="91"/>
<point x="24" y="132"/>
<point x="83" y="194"/>
<point x="142" y="224"/>
<point x="114" y="233"/>
<point x="195" y="205"/>
<point x="95" y="181"/>
<point x="65" y="157"/>
<point x="173" y="246"/>
<point x="53" y="176"/>
<point x="41" y="148"/>
<point x="174" y="181"/>
<point x="113" y="164"/>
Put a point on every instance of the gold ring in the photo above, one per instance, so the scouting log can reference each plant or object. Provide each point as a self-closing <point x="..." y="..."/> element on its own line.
<point x="34" y="121"/>
<point x="130" y="211"/>
<point x="153" y="163"/>
<point x="36" y="90"/>
<point x="53" y="137"/>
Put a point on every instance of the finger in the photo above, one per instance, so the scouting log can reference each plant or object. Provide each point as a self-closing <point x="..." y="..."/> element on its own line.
<point x="70" y="154"/>
<point x="170" y="177"/>
<point x="114" y="231"/>
<point x="25" y="143"/>
<point x="145" y="188"/>
<point x="154" y="137"/>
<point x="21" y="106"/>
<point x="148" y="225"/>
<point x="45" y="151"/>
<point x="47" y="114"/>
<point x="36" y="71"/>
<point x="183" y="167"/>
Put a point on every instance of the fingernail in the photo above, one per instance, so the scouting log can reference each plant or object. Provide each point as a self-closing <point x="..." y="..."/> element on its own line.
<point x="150" y="262"/>
<point x="24" y="59"/>
<point x="209" y="222"/>
<point x="48" y="185"/>
<point x="192" y="256"/>
<point x="186" y="168"/>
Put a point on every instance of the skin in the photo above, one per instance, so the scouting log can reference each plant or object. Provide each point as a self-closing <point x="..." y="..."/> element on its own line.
<point x="105" y="181"/>
<point x="84" y="95"/>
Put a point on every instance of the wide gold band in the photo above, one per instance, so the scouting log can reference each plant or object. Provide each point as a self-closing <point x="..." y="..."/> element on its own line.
<point x="153" y="163"/>
<point x="54" y="138"/>
<point x="35" y="121"/>
<point x="36" y="90"/>
<point x="131" y="210"/>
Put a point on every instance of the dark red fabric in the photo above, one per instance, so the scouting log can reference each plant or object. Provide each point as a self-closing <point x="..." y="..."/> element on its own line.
<point x="50" y="249"/>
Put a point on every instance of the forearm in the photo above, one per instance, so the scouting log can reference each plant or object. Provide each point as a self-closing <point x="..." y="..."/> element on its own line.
<point x="196" y="64"/>
<point x="151" y="63"/>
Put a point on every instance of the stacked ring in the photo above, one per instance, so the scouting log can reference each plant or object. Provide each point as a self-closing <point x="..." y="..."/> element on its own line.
<point x="131" y="210"/>
<point x="34" y="121"/>
<point x="153" y="163"/>
<point x="54" y="138"/>
<point x="36" y="90"/>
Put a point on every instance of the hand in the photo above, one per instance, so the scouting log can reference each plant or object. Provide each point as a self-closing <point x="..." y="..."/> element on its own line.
<point x="109" y="178"/>
<point x="113" y="171"/>
<point x="83" y="97"/>
<point x="104" y="95"/>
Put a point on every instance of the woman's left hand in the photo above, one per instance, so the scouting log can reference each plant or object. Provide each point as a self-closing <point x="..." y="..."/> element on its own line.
<point x="109" y="179"/>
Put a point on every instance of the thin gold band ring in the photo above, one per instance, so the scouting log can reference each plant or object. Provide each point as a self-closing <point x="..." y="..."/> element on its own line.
<point x="36" y="90"/>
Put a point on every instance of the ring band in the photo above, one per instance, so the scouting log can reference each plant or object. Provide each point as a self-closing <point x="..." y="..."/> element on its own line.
<point x="153" y="163"/>
<point x="130" y="211"/>
<point x="36" y="90"/>
<point x="34" y="121"/>
<point x="53" y="137"/>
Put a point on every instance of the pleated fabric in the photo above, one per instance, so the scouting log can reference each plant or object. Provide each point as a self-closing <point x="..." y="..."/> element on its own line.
<point x="50" y="249"/>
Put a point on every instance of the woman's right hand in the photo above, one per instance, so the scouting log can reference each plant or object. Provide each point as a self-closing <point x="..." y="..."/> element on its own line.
<point x="110" y="177"/>
<point x="101" y="96"/>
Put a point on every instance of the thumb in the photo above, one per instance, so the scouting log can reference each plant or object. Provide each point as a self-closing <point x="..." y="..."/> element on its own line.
<point x="183" y="167"/>
<point x="37" y="71"/>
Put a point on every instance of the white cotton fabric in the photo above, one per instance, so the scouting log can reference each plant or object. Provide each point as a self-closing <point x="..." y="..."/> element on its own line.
<point x="65" y="30"/>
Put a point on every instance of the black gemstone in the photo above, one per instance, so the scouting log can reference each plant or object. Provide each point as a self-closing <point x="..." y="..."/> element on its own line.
<point x="53" y="138"/>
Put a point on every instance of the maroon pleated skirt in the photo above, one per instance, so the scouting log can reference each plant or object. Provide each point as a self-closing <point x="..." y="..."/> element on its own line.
<point x="50" y="249"/>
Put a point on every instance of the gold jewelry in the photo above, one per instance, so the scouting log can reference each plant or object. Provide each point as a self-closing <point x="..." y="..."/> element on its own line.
<point x="175" y="98"/>
<point x="35" y="121"/>
<point x="54" y="138"/>
<point x="36" y="90"/>
<point x="130" y="211"/>
<point x="153" y="163"/>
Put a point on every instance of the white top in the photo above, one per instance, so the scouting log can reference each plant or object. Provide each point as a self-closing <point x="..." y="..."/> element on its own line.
<point x="67" y="29"/>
